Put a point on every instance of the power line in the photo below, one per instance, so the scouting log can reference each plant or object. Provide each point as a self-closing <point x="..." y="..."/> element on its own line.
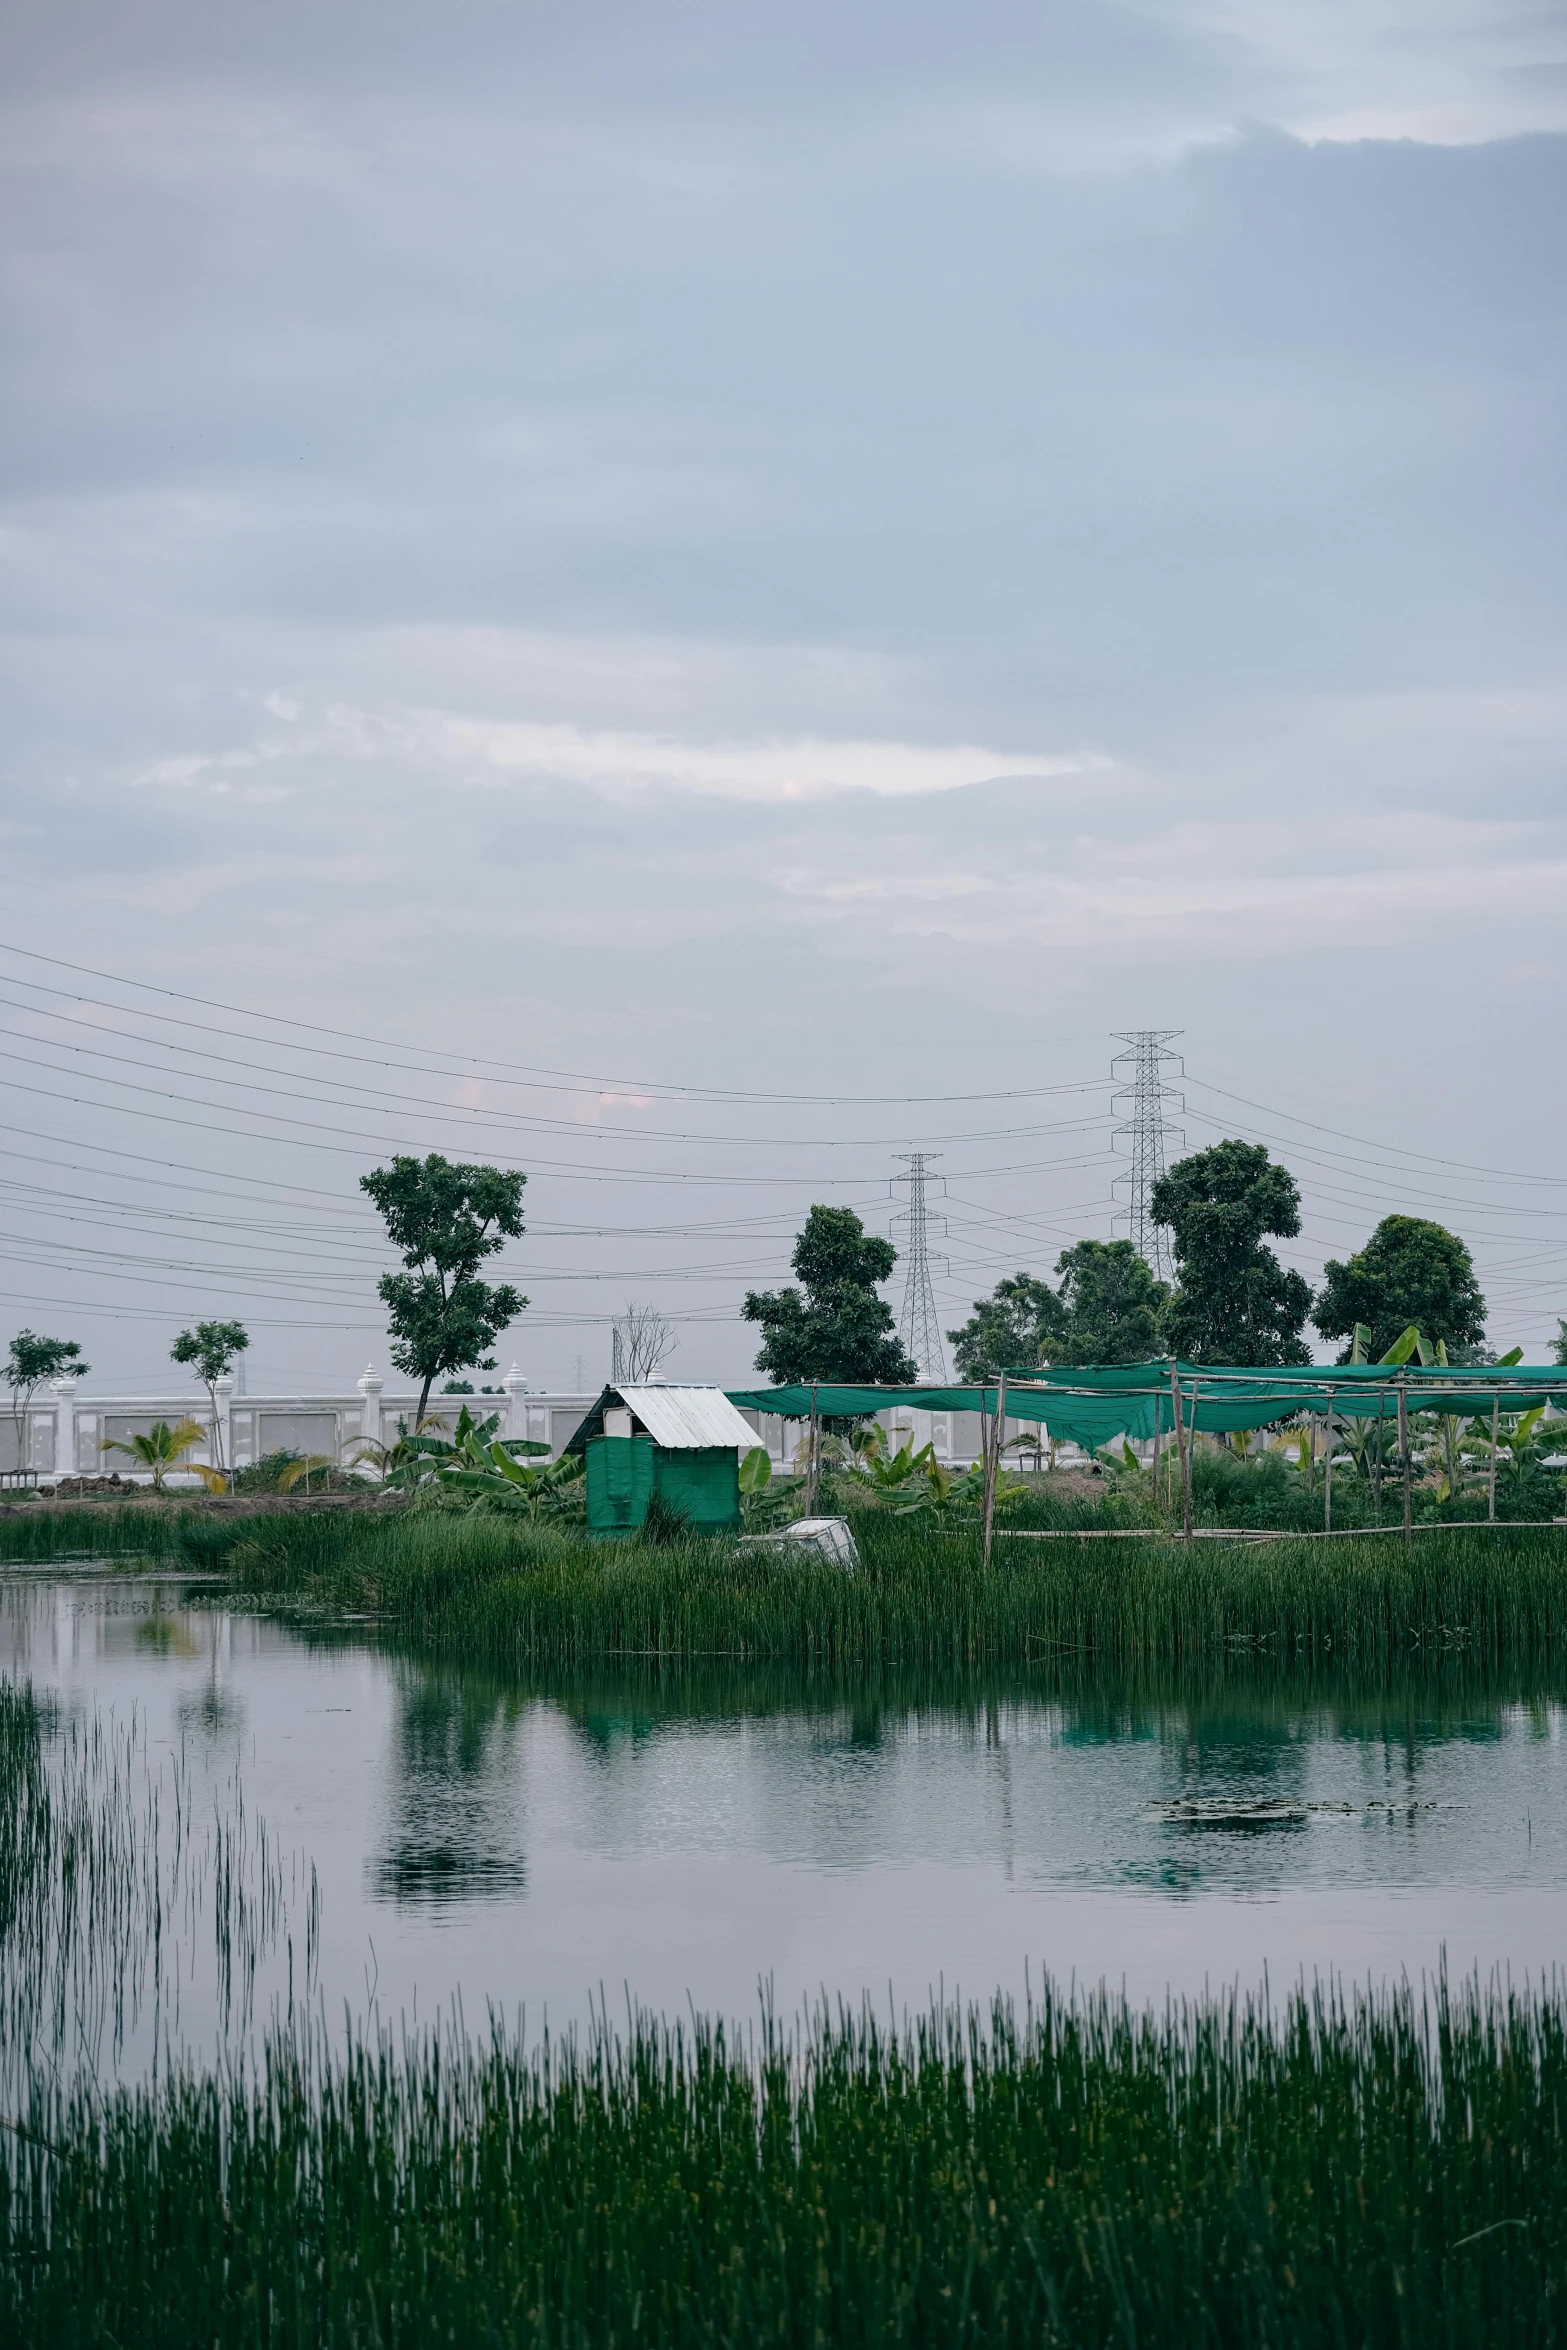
<point x="525" y="1071"/>
<point x="1389" y="1151"/>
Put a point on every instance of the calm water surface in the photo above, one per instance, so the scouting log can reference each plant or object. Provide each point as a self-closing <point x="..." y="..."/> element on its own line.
<point x="526" y="1850"/>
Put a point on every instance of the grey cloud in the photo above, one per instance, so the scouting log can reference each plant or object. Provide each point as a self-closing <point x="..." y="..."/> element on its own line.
<point x="1023" y="379"/>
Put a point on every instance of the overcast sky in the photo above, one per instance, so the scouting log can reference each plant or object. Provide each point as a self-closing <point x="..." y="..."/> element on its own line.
<point x="788" y="550"/>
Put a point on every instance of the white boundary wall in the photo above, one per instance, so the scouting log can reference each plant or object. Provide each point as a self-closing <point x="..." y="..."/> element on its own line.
<point x="65" y="1430"/>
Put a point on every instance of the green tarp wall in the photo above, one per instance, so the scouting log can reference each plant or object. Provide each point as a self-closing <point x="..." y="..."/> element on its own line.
<point x="1092" y="1406"/>
<point x="624" y="1472"/>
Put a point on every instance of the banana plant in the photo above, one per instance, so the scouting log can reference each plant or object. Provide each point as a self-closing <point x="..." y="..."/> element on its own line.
<point x="765" y="1500"/>
<point x="1517" y="1448"/>
<point x="500" y="1482"/>
<point x="429" y="1453"/>
<point x="475" y="1460"/>
<point x="879" y="1474"/>
<point x="917" y="1484"/>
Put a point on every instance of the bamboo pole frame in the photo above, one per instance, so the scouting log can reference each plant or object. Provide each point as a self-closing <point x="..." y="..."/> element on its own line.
<point x="1180" y="1439"/>
<point x="813" y="1458"/>
<point x="993" y="1463"/>
<point x="1405" y="1462"/>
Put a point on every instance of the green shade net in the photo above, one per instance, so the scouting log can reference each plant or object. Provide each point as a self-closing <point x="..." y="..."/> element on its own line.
<point x="1090" y="1406"/>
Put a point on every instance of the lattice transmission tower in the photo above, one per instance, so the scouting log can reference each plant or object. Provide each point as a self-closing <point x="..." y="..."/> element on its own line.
<point x="918" y="1326"/>
<point x="1142" y="1069"/>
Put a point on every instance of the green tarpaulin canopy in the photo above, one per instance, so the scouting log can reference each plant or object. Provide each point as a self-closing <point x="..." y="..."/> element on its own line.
<point x="1093" y="1405"/>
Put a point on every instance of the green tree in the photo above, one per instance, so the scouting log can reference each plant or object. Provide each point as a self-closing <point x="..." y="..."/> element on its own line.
<point x="1559" y="1343"/>
<point x="30" y="1362"/>
<point x="211" y="1351"/>
<point x="445" y="1220"/>
<point x="1020" y="1324"/>
<point x="1410" y="1270"/>
<point x="839" y="1329"/>
<point x="1111" y="1304"/>
<point x="1234" y="1302"/>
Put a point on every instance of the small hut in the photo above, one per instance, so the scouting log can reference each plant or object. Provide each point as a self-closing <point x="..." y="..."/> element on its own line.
<point x="685" y="1443"/>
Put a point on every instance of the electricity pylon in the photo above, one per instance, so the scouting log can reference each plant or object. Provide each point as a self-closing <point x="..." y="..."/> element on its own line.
<point x="918" y="1327"/>
<point x="1144" y="1134"/>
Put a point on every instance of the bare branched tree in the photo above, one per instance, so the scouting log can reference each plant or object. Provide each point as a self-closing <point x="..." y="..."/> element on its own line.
<point x="643" y="1341"/>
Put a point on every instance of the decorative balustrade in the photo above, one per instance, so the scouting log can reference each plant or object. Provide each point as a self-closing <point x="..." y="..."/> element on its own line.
<point x="64" y="1432"/>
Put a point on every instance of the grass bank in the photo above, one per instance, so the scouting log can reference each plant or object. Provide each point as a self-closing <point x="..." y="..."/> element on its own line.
<point x="492" y="1589"/>
<point x="1369" y="2173"/>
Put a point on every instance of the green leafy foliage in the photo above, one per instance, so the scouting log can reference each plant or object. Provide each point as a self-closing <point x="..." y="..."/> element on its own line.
<point x="1020" y="1324"/>
<point x="1112" y="1304"/>
<point x="916" y="1484"/>
<point x="1234" y="1302"/>
<point x="491" y="1472"/>
<point x="162" y="1448"/>
<point x="29" y="1362"/>
<point x="835" y="1326"/>
<point x="211" y="1351"/>
<point x="445" y="1219"/>
<point x="1410" y="1271"/>
<point x="1107" y="1310"/>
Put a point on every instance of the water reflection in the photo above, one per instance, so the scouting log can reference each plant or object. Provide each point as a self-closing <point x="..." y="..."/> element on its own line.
<point x="454" y="1825"/>
<point x="528" y="1837"/>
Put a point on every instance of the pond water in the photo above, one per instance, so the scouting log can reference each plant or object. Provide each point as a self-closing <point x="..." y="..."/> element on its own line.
<point x="531" y="1849"/>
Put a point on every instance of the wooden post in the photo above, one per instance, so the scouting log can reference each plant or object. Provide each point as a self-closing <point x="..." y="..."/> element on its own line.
<point x="993" y="1460"/>
<point x="1403" y="1447"/>
<point x="1496" y="1409"/>
<point x="813" y="1458"/>
<point x="1180" y="1441"/>
<point x="1327" y="1474"/>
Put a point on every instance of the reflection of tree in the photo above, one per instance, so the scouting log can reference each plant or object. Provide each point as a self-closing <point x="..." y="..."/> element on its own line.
<point x="210" y="1714"/>
<point x="454" y="1832"/>
<point x="600" y="1732"/>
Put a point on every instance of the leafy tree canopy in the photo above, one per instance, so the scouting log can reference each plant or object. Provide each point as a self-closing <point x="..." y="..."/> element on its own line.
<point x="1410" y="1270"/>
<point x="210" y="1350"/>
<point x="1111" y="1304"/>
<point x="1106" y="1310"/>
<point x="1234" y="1302"/>
<point x="445" y="1218"/>
<point x="29" y="1363"/>
<point x="32" y="1360"/>
<point x="1559" y="1343"/>
<point x="835" y="1327"/>
<point x="1021" y="1323"/>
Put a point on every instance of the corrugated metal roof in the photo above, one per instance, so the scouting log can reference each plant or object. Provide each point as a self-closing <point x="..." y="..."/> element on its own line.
<point x="682" y="1419"/>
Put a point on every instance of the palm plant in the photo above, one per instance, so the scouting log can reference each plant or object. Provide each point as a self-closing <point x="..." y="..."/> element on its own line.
<point x="309" y="1464"/>
<point x="164" y="1448"/>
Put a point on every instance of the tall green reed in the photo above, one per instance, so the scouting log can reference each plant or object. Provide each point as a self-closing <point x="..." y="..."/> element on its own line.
<point x="1339" y="2170"/>
<point x="923" y="1602"/>
<point x="115" y="1896"/>
<point x="491" y="1589"/>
